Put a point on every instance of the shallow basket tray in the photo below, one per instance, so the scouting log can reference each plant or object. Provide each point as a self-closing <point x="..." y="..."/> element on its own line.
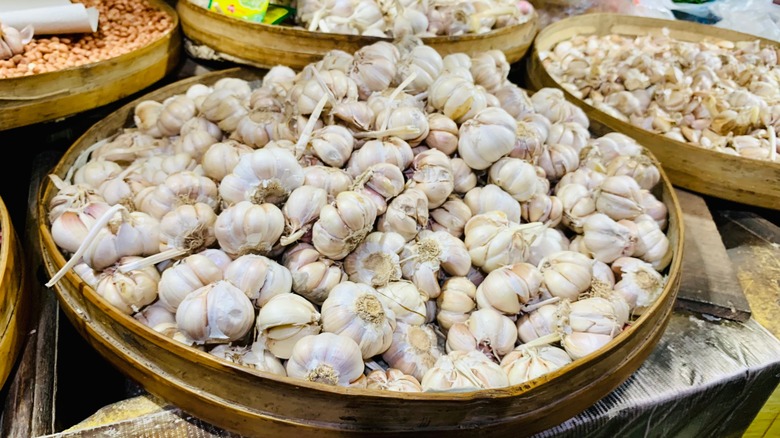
<point x="50" y="96"/>
<point x="265" y="45"/>
<point x="250" y="402"/>
<point x="739" y="179"/>
<point x="15" y="295"/>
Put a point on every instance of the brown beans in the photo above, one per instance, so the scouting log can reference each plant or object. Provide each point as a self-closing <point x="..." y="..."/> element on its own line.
<point x="124" y="26"/>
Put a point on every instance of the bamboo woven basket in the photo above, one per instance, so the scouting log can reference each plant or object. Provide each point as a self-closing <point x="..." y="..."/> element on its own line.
<point x="15" y="300"/>
<point x="50" y="96"/>
<point x="252" y="403"/>
<point x="264" y="45"/>
<point x="739" y="179"/>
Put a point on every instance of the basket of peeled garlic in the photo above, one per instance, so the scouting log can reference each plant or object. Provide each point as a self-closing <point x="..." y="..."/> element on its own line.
<point x="318" y="253"/>
<point x="705" y="100"/>
<point x="449" y="26"/>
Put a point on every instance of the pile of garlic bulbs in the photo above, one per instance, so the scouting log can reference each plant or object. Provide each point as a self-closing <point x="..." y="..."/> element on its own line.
<point x="391" y="219"/>
<point x="400" y="18"/>
<point x="715" y="94"/>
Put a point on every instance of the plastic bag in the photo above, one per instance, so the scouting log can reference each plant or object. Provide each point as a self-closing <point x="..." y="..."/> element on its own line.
<point x="756" y="17"/>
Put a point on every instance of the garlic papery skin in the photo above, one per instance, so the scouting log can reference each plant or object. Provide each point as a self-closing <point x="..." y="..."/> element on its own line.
<point x="326" y="358"/>
<point x="247" y="228"/>
<point x="356" y="310"/>
<point x="284" y="320"/>
<point x="488" y="136"/>
<point x="184" y="276"/>
<point x="456" y="97"/>
<point x="463" y="176"/>
<point x="491" y="197"/>
<point x="256" y="356"/>
<point x="618" y="197"/>
<point x="526" y="364"/>
<point x="516" y="177"/>
<point x="543" y="321"/>
<point x="375" y="261"/>
<point x="259" y="277"/>
<point x="405" y="300"/>
<point x="638" y="283"/>
<point x="464" y="371"/>
<point x="652" y="244"/>
<point x="456" y="301"/>
<point x="607" y="240"/>
<point x="414" y="349"/>
<point x="264" y="175"/>
<point x="301" y="210"/>
<point x="508" y="288"/>
<point x="422" y="259"/>
<point x="487" y="331"/>
<point x="131" y="291"/>
<point x="566" y="274"/>
<point x="343" y="224"/>
<point x="392" y="380"/>
<point x="216" y="313"/>
<point x="432" y="173"/>
<point x="442" y="133"/>
<point x="451" y="216"/>
<point x="313" y="275"/>
<point x="406" y="214"/>
<point x="221" y="158"/>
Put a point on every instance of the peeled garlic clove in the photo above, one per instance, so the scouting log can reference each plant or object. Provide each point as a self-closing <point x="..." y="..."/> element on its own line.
<point x="216" y="313"/>
<point x="508" y="288"/>
<point x="355" y="310"/>
<point x="462" y="370"/>
<point x="326" y="358"/>
<point x="392" y="380"/>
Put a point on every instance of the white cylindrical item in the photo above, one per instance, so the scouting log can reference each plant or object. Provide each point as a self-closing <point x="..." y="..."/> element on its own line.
<point x="70" y="18"/>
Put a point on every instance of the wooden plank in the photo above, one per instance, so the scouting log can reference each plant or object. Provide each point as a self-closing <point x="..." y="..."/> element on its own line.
<point x="709" y="281"/>
<point x="29" y="405"/>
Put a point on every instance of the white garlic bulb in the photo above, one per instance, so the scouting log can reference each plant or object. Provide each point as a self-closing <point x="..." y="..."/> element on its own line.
<point x="355" y="310"/>
<point x="566" y="274"/>
<point x="432" y="173"/>
<point x="130" y="291"/>
<point x="442" y="133"/>
<point x="414" y="349"/>
<point x="332" y="180"/>
<point x="248" y="228"/>
<point x="486" y="137"/>
<point x="509" y="288"/>
<point x="517" y="177"/>
<point x="326" y="358"/>
<point x="652" y="245"/>
<point x="456" y="97"/>
<point x="618" y="197"/>
<point x="301" y="210"/>
<point x="543" y="321"/>
<point x="392" y="380"/>
<point x="343" y="224"/>
<point x="264" y="175"/>
<point x="463" y="176"/>
<point x="491" y="197"/>
<point x="451" y="216"/>
<point x="255" y="356"/>
<point x="422" y="259"/>
<point x="216" y="313"/>
<point x="221" y="158"/>
<point x="526" y="364"/>
<point x="405" y="300"/>
<point x="464" y="370"/>
<point x="638" y="283"/>
<point x="259" y="277"/>
<point x="406" y="214"/>
<point x="607" y="240"/>
<point x="184" y="276"/>
<point x="375" y="261"/>
<point x="487" y="331"/>
<point x="284" y="320"/>
<point x="456" y="301"/>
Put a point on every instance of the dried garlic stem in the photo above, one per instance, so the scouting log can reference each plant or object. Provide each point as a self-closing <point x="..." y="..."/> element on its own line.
<point x="313" y="117"/>
<point x="395" y="93"/>
<point x="152" y="259"/>
<point x="398" y="130"/>
<point x="531" y="307"/>
<point x="76" y="257"/>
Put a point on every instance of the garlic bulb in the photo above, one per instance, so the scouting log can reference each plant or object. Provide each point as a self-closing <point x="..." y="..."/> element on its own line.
<point x="406" y="214"/>
<point x="577" y="203"/>
<point x="380" y="182"/>
<point x="221" y="158"/>
<point x="414" y="349"/>
<point x="652" y="245"/>
<point x="463" y="176"/>
<point x="543" y="208"/>
<point x="375" y="261"/>
<point x="494" y="241"/>
<point x="175" y="112"/>
<point x="301" y="210"/>
<point x="442" y="133"/>
<point x="451" y="216"/>
<point x="255" y="356"/>
<point x="618" y="197"/>
<point x="543" y="321"/>
<point x="247" y="228"/>
<point x="330" y="179"/>
<point x="486" y="137"/>
<point x="526" y="364"/>
<point x="130" y="291"/>
<point x="94" y="173"/>
<point x="516" y="177"/>
<point x="216" y="313"/>
<point x="513" y="99"/>
<point x="597" y="315"/>
<point x="374" y="67"/>
<point x="185" y="187"/>
<point x="508" y="288"/>
<point x="313" y="275"/>
<point x="422" y="259"/>
<point x="392" y="380"/>
<point x="264" y="175"/>
<point x="487" y="331"/>
<point x="283" y="321"/>
<point x="184" y="276"/>
<point x="326" y="358"/>
<point x="491" y="197"/>
<point x="156" y="317"/>
<point x="464" y="370"/>
<point x="566" y="274"/>
<point x="259" y="277"/>
<point x="343" y="224"/>
<point x="405" y="300"/>
<point x="355" y="310"/>
<point x="607" y="240"/>
<point x="638" y="283"/>
<point x="432" y="173"/>
<point x="456" y="301"/>
<point x="392" y="150"/>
